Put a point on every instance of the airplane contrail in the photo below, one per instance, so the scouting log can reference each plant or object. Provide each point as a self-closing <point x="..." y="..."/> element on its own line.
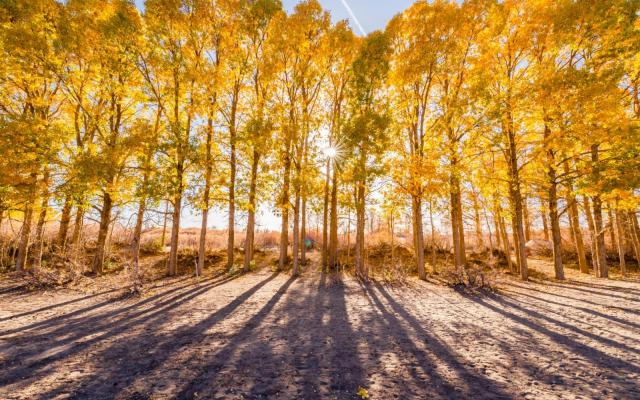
<point x="353" y="16"/>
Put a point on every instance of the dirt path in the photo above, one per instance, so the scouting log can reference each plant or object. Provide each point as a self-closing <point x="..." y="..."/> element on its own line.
<point x="267" y="335"/>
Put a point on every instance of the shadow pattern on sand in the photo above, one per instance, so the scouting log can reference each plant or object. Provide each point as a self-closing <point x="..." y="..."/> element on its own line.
<point x="269" y="335"/>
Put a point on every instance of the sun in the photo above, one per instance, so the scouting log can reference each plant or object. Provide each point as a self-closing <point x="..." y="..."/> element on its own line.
<point x="331" y="152"/>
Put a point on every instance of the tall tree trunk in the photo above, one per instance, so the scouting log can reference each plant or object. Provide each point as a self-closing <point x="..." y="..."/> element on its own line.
<point x="486" y="220"/>
<point x="555" y="226"/>
<point x="137" y="234"/>
<point x="25" y="235"/>
<point x="325" y="218"/>
<point x="505" y="243"/>
<point x="348" y="234"/>
<point x="165" y="217"/>
<point x="601" y="252"/>
<point x="635" y="233"/>
<point x="65" y="220"/>
<point x="516" y="202"/>
<point x="621" y="244"/>
<point x="418" y="234"/>
<point x="105" y="222"/>
<point x="284" y="229"/>
<point x="142" y="203"/>
<point x="545" y="221"/>
<point x="42" y="217"/>
<point x="303" y="230"/>
<point x="576" y="232"/>
<point x="478" y="222"/>
<point x="433" y="238"/>
<point x="333" y="229"/>
<point x="251" y="222"/>
<point x="554" y="217"/>
<point x="496" y="223"/>
<point x="457" y="231"/>
<point x="392" y="231"/>
<point x="360" y="225"/>
<point x="611" y="226"/>
<point x="78" y="225"/>
<point x="202" y="242"/>
<point x="527" y="219"/>
<point x="175" y="232"/>
<point x="296" y="229"/>
<point x="592" y="233"/>
<point x="602" y="271"/>
<point x="232" y="201"/>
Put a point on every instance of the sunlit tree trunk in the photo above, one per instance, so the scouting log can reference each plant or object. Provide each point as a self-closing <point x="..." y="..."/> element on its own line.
<point x="296" y="230"/>
<point x="602" y="271"/>
<point x="65" y="220"/>
<point x="635" y="233"/>
<point x="621" y="244"/>
<point x="284" y="204"/>
<point x="360" y="226"/>
<point x="251" y="222"/>
<point x="165" y="217"/>
<point x="44" y="205"/>
<point x="433" y="237"/>
<point x="325" y="217"/>
<point x="208" y="171"/>
<point x="554" y="218"/>
<point x="142" y="202"/>
<point x="611" y="226"/>
<point x="232" y="177"/>
<point x="457" y="228"/>
<point x="179" y="190"/>
<point x="418" y="235"/>
<point x="502" y="228"/>
<point x="478" y="222"/>
<point x="78" y="225"/>
<point x="25" y="232"/>
<point x="303" y="230"/>
<point x="576" y="232"/>
<point x="574" y="218"/>
<point x="545" y="221"/>
<point x="333" y="229"/>
<point x="103" y="230"/>
<point x="175" y="226"/>
<point x="527" y="219"/>
<point x="592" y="232"/>
<point x="516" y="198"/>
<point x="137" y="234"/>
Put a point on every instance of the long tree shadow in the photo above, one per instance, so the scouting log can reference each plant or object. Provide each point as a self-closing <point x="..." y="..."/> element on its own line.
<point x="149" y="339"/>
<point x="69" y="339"/>
<point x="571" y="298"/>
<point x="65" y="320"/>
<point x="476" y="385"/>
<point x="597" y="357"/>
<point x="335" y="369"/>
<point x="582" y="309"/>
<point x="313" y="356"/>
<point x="57" y="305"/>
<point x="201" y="383"/>
<point x="591" y="291"/>
<point x="622" y="289"/>
<point x="509" y="303"/>
<point x="13" y="289"/>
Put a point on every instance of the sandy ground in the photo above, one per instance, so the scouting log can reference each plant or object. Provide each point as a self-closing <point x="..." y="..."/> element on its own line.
<point x="266" y="335"/>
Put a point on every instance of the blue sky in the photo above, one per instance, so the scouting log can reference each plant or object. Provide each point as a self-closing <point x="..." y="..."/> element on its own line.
<point x="372" y="14"/>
